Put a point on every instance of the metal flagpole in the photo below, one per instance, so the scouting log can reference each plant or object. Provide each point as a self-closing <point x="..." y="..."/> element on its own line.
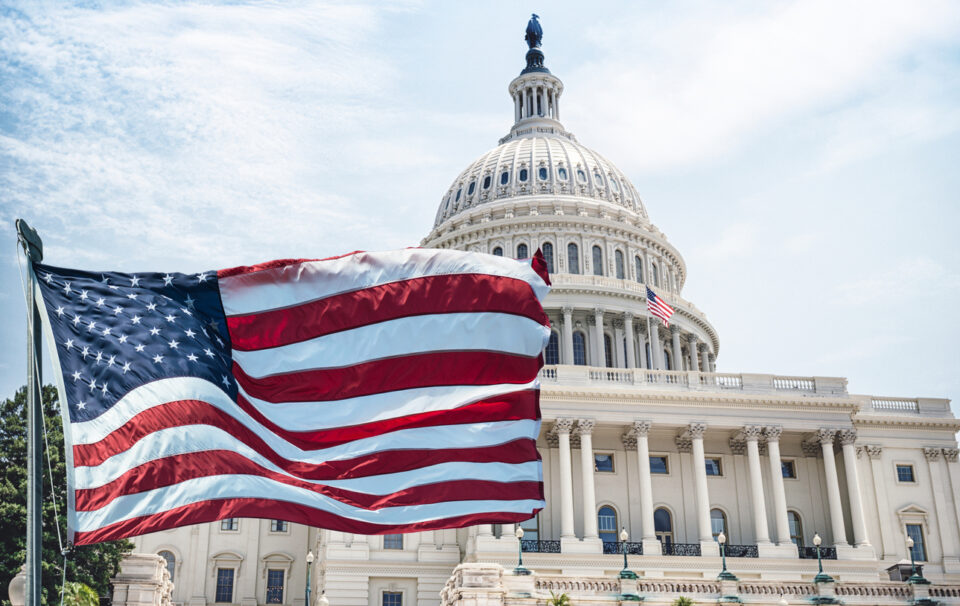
<point x="33" y="246"/>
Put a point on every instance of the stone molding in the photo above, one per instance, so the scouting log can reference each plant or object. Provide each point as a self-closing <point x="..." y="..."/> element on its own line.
<point x="563" y="425"/>
<point x="585" y="427"/>
<point x="773" y="432"/>
<point x="826" y="436"/>
<point x="752" y="433"/>
<point x="642" y="428"/>
<point x="950" y="454"/>
<point x="932" y="454"/>
<point x="848" y="436"/>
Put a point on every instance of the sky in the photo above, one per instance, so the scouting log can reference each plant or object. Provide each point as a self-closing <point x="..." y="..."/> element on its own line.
<point x="802" y="156"/>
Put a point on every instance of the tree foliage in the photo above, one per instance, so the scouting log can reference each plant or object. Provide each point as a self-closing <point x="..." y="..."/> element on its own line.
<point x="90" y="565"/>
<point x="558" y="600"/>
<point x="683" y="601"/>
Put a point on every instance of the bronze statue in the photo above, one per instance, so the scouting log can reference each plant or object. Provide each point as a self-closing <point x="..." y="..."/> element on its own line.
<point x="534" y="32"/>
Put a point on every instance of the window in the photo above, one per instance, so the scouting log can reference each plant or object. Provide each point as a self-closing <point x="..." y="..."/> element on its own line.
<point x="542" y="173"/>
<point x="498" y="251"/>
<point x="639" y="263"/>
<point x="547" y="250"/>
<point x="531" y="529"/>
<point x="523" y="175"/>
<point x="522" y="251"/>
<point x="905" y="473"/>
<point x="598" y="178"/>
<point x="552" y="353"/>
<point x="663" y="526"/>
<point x="655" y="274"/>
<point x="618" y="263"/>
<point x="581" y="176"/>
<point x="607" y="524"/>
<point x="278" y="526"/>
<point x="562" y="173"/>
<point x="796" y="528"/>
<point x="230" y="524"/>
<point x="718" y="523"/>
<point x="915" y="532"/>
<point x="614" y="185"/>
<point x="573" y="258"/>
<point x="486" y="182"/>
<point x="224" y="585"/>
<point x="597" y="261"/>
<point x="459" y="191"/>
<point x="608" y="351"/>
<point x="471" y="188"/>
<point x="392" y="598"/>
<point x="603" y="462"/>
<point x="274" y="587"/>
<point x="714" y="466"/>
<point x="504" y="177"/>
<point x="788" y="469"/>
<point x="667" y="361"/>
<point x="579" y="349"/>
<point x="393" y="541"/>
<point x="658" y="464"/>
<point x="171" y="562"/>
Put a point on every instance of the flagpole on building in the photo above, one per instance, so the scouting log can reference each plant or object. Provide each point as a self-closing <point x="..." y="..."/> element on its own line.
<point x="33" y="246"/>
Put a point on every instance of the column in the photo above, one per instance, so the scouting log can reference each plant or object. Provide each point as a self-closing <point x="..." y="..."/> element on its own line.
<point x="516" y="107"/>
<point x="628" y="330"/>
<point x="600" y="359"/>
<point x="562" y="427"/>
<point x="485" y="530"/>
<point x="692" y="346"/>
<point x="695" y="432"/>
<point x="950" y="456"/>
<point x="947" y="531"/>
<point x="656" y="350"/>
<point x="640" y="431"/>
<point x="567" y="335"/>
<point x="713" y="362"/>
<point x="677" y="352"/>
<point x="585" y="429"/>
<point x="751" y="434"/>
<point x="825" y="437"/>
<point x="704" y="357"/>
<point x="889" y="537"/>
<point x="847" y="439"/>
<point x="618" y="341"/>
<point x="776" y="475"/>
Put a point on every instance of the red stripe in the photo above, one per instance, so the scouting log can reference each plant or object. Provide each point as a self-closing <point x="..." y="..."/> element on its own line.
<point x="539" y="265"/>
<point x="179" y="468"/>
<point x="414" y="297"/>
<point x="249" y="269"/>
<point x="392" y="374"/>
<point x="211" y="511"/>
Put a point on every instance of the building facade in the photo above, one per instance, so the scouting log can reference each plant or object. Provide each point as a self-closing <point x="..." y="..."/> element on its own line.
<point x="640" y="431"/>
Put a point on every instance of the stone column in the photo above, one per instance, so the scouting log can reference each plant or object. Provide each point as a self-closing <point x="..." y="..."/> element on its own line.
<point x="751" y="434"/>
<point x="677" y="352"/>
<point x="600" y="359"/>
<point x="825" y="437"/>
<point x="516" y="107"/>
<point x="618" y="341"/>
<point x="567" y="335"/>
<point x="848" y="437"/>
<point x="776" y="475"/>
<point x="485" y="530"/>
<point x="639" y="432"/>
<point x="628" y="331"/>
<point x="713" y="362"/>
<point x="704" y="357"/>
<point x="562" y="428"/>
<point x="585" y="429"/>
<point x="948" y="532"/>
<point x="889" y="537"/>
<point x="695" y="432"/>
<point x="692" y="346"/>
<point x="950" y="456"/>
<point x="656" y="349"/>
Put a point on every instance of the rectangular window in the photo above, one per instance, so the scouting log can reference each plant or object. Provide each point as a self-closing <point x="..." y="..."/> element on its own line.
<point x="392" y="598"/>
<point x="531" y="529"/>
<point x="714" y="466"/>
<point x="905" y="473"/>
<point x="788" y="469"/>
<point x="231" y="524"/>
<point x="393" y="541"/>
<point x="603" y="462"/>
<point x="278" y="526"/>
<point x="658" y="464"/>
<point x="915" y="532"/>
<point x="274" y="587"/>
<point x="224" y="585"/>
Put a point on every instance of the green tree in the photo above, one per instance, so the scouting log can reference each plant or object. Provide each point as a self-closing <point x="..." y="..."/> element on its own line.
<point x="90" y="565"/>
<point x="558" y="600"/>
<point x="683" y="601"/>
<point x="78" y="594"/>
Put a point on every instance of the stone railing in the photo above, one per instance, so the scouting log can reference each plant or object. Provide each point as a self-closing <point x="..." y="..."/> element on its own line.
<point x="694" y="381"/>
<point x="533" y="546"/>
<point x="143" y="581"/>
<point x="895" y="405"/>
<point x="607" y="283"/>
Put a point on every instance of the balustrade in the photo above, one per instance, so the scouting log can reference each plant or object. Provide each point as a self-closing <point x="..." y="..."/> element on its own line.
<point x="810" y="553"/>
<point x="742" y="551"/>
<point x="681" y="549"/>
<point x="894" y="405"/>
<point x="534" y="546"/>
<point x="617" y="548"/>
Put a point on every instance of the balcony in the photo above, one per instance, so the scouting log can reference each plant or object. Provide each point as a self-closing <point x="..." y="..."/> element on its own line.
<point x="531" y="546"/>
<point x="680" y="549"/>
<point x="810" y="553"/>
<point x="617" y="548"/>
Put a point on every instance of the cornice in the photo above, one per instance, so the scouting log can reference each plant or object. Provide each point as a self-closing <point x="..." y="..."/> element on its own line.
<point x="556" y="393"/>
<point x="892" y="421"/>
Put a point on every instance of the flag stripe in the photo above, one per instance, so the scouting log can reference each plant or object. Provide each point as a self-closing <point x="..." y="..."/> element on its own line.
<point x="417" y="296"/>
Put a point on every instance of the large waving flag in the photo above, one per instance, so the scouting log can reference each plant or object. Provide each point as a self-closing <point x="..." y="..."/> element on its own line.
<point x="370" y="393"/>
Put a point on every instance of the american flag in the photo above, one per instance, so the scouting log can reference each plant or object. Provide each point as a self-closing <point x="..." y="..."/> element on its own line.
<point x="369" y="393"/>
<point x="658" y="307"/>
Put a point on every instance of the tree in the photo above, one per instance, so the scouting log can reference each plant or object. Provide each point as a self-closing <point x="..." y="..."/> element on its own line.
<point x="558" y="600"/>
<point x="683" y="601"/>
<point x="90" y="565"/>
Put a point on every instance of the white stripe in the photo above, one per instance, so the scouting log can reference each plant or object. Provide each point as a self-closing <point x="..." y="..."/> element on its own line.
<point x="303" y="282"/>
<point x="401" y="337"/>
<point x="240" y="486"/>
<point x="313" y="416"/>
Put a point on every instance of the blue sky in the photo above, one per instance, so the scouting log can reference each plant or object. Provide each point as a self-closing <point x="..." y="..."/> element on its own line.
<point x="801" y="155"/>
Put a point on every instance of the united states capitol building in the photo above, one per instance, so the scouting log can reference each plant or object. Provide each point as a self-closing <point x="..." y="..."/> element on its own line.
<point x="643" y="435"/>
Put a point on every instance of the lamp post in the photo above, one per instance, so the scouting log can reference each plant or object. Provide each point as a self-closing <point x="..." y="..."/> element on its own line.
<point x="519" y="570"/>
<point x="625" y="573"/>
<point x="821" y="577"/>
<point x="309" y="567"/>
<point x="916" y="578"/>
<point x="725" y="575"/>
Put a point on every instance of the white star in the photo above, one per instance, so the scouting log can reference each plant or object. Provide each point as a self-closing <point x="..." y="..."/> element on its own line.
<point x="219" y="342"/>
<point x="167" y="280"/>
<point x="83" y="295"/>
<point x="117" y="310"/>
<point x="112" y="287"/>
<point x="190" y="301"/>
<point x="104" y="390"/>
<point x="208" y="352"/>
<point x="132" y="295"/>
<point x="192" y="357"/>
<point x="91" y="326"/>
<point x="173" y="344"/>
<point x="76" y="320"/>
<point x="85" y="352"/>
<point x="171" y="318"/>
<point x="123" y="338"/>
<point x="225" y="381"/>
<point x="186" y="311"/>
<point x="135" y="319"/>
<point x="66" y="288"/>
<point x="139" y="348"/>
<point x="48" y="278"/>
<point x="106" y="331"/>
<point x="93" y="385"/>
<point x="99" y="357"/>
<point x="134" y="281"/>
<point x="111" y="360"/>
<point x="60" y="311"/>
<point x="190" y="333"/>
<point x="101" y="301"/>
<point x="205" y="333"/>
<point x="154" y="331"/>
<point x="151" y="306"/>
<point x="202" y="277"/>
<point x="68" y="344"/>
<point x="157" y="359"/>
<point x="76" y="376"/>
<point x="81" y="405"/>
<point x="126" y="367"/>
<point x="104" y="279"/>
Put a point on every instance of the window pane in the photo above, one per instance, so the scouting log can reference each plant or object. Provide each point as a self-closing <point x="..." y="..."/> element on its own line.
<point x="787" y="469"/>
<point x="522" y="251"/>
<point x="661" y="521"/>
<point x="230" y="524"/>
<point x="531" y="529"/>
<point x="905" y="473"/>
<point x="658" y="464"/>
<point x="607" y="524"/>
<point x="597" y="261"/>
<point x="718" y="522"/>
<point x="608" y="351"/>
<point x="486" y="182"/>
<point x="713" y="467"/>
<point x="581" y="176"/>
<point x="392" y="598"/>
<point x="274" y="587"/>
<point x="618" y="261"/>
<point x="603" y="462"/>
<point x="639" y="263"/>
<point x="796" y="530"/>
<point x="547" y="250"/>
<point x="224" y="585"/>
<point x="543" y="173"/>
<point x="498" y="251"/>
<point x="573" y="258"/>
<point x="552" y="354"/>
<point x="562" y="174"/>
<point x="523" y="174"/>
<point x="504" y="177"/>
<point x="915" y="532"/>
<point x="278" y="526"/>
<point x="579" y="349"/>
<point x="393" y="541"/>
<point x="171" y="562"/>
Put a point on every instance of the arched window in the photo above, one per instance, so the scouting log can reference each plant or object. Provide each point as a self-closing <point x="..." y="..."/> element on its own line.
<point x="581" y="176"/>
<point x="459" y="191"/>
<point x="522" y="251"/>
<point x="579" y="349"/>
<point x="562" y="173"/>
<point x="498" y="251"/>
<point x="486" y="182"/>
<point x="608" y="350"/>
<point x="542" y="173"/>
<point x="663" y="526"/>
<point x="618" y="264"/>
<point x="796" y="528"/>
<point x="573" y="258"/>
<point x="598" y="178"/>
<point x="552" y="353"/>
<point x="639" y="267"/>
<point x="171" y="562"/>
<point x="607" y="524"/>
<point x="597" y="261"/>
<point x="656" y="274"/>
<point x="504" y="177"/>
<point x="523" y="175"/>
<point x="718" y="523"/>
<point x="472" y="188"/>
<point x="667" y="361"/>
<point x="614" y="185"/>
<point x="547" y="250"/>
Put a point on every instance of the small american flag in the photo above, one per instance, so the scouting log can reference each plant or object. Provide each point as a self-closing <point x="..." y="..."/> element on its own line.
<point x="658" y="307"/>
<point x="370" y="393"/>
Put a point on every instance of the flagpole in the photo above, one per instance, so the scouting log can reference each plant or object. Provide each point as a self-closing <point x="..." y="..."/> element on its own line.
<point x="33" y="246"/>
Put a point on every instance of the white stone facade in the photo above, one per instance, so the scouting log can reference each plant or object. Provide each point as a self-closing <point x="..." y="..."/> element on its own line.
<point x="777" y="458"/>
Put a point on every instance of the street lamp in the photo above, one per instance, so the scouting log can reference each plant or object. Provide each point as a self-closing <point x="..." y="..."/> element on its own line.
<point x="916" y="578"/>
<point x="519" y="570"/>
<point x="309" y="567"/>
<point x="725" y="575"/>
<point x="821" y="577"/>
<point x="625" y="573"/>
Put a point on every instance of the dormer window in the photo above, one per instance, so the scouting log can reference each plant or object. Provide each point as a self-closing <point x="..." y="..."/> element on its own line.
<point x="486" y="182"/>
<point x="472" y="187"/>
<point x="562" y="173"/>
<point x="523" y="175"/>
<point x="542" y="173"/>
<point x="504" y="177"/>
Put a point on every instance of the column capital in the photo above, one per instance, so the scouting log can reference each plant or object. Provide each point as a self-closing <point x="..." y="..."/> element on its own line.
<point x="628" y="316"/>
<point x="696" y="430"/>
<point x="848" y="436"/>
<point x="567" y="310"/>
<point x="674" y="329"/>
<point x="618" y="323"/>
<point x="773" y="432"/>
<point x="752" y="433"/>
<point x="691" y="339"/>
<point x="874" y="451"/>
<point x="738" y="447"/>
<point x="950" y="454"/>
<point x="553" y="440"/>
<point x="561" y="426"/>
<point x="702" y="347"/>
<point x="641" y="428"/>
<point x="811" y="448"/>
<point x="629" y="440"/>
<point x="684" y="443"/>
<point x="585" y="426"/>
<point x="712" y="356"/>
<point x="825" y="435"/>
<point x="598" y="311"/>
<point x="932" y="454"/>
